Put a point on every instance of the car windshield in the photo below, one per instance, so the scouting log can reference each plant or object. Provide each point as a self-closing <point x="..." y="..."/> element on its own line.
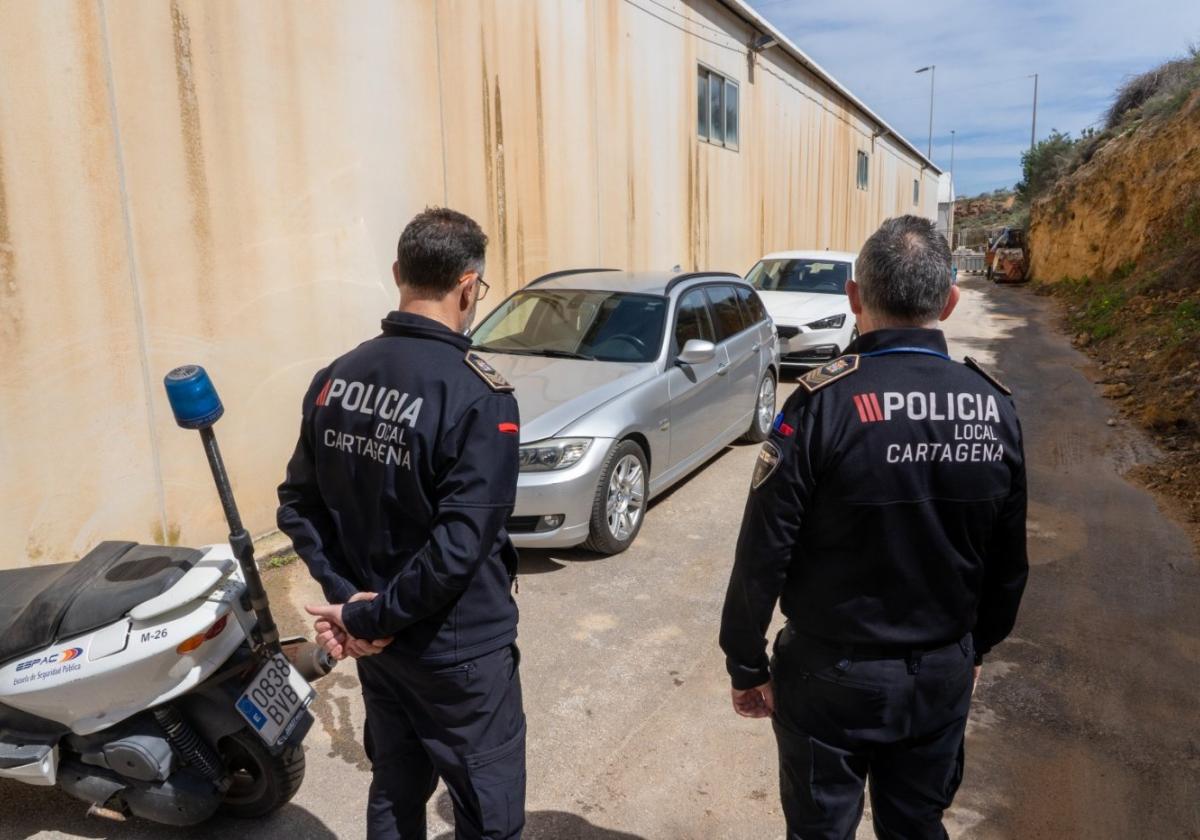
<point x="576" y="324"/>
<point x="800" y="275"/>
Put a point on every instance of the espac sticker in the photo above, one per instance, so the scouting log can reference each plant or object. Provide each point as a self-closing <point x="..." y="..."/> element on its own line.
<point x="52" y="659"/>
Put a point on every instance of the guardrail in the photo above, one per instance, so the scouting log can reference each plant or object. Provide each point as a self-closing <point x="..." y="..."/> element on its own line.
<point x="968" y="261"/>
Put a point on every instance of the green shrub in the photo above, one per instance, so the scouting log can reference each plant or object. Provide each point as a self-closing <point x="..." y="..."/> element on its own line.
<point x="1101" y="305"/>
<point x="1124" y="270"/>
<point x="281" y="559"/>
<point x="1044" y="164"/>
<point x="1186" y="321"/>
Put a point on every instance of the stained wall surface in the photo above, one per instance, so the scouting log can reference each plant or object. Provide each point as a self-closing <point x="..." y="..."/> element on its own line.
<point x="223" y="183"/>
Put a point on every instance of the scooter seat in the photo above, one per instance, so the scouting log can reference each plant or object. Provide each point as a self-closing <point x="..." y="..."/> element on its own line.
<point x="42" y="605"/>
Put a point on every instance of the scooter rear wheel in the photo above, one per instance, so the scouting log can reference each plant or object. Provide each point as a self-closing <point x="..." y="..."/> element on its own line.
<point x="262" y="782"/>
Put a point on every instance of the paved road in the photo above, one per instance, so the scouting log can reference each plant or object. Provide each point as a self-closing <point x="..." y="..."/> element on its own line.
<point x="1084" y="725"/>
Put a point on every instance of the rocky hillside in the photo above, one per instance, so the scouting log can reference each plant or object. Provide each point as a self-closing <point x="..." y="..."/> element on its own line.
<point x="976" y="217"/>
<point x="1138" y="195"/>
<point x="1118" y="240"/>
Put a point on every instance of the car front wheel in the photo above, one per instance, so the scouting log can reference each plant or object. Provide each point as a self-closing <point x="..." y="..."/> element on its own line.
<point x="620" y="503"/>
<point x="764" y="411"/>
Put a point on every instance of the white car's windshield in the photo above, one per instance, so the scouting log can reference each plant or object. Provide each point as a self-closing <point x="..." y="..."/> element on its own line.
<point x="605" y="326"/>
<point x="800" y="275"/>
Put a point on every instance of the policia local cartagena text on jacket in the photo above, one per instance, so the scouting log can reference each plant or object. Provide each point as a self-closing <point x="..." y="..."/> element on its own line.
<point x="888" y="510"/>
<point x="896" y="511"/>
<point x="401" y="482"/>
<point x="408" y="453"/>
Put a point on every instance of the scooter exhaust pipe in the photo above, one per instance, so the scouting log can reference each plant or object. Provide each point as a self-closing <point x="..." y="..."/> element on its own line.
<point x="309" y="659"/>
<point x="195" y="403"/>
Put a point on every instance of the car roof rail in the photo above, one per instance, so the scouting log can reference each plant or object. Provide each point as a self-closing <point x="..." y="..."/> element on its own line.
<point x="694" y="275"/>
<point x="566" y="272"/>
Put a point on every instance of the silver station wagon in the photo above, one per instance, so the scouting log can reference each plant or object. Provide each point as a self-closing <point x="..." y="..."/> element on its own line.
<point x="627" y="382"/>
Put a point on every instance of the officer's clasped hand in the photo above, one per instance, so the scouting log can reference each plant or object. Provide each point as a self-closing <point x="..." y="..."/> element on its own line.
<point x="758" y="702"/>
<point x="332" y="636"/>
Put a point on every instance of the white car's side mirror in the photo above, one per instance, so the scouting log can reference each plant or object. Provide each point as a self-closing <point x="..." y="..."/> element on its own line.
<point x="697" y="351"/>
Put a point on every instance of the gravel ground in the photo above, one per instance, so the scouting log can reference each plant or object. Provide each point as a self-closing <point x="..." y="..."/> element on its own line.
<point x="1083" y="724"/>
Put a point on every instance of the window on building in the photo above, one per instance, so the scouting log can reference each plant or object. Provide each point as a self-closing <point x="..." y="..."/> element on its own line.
<point x="731" y="114"/>
<point x="916" y="192"/>
<point x="716" y="108"/>
<point x="864" y="170"/>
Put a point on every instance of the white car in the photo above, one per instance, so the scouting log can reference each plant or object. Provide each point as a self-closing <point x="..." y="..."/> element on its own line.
<point x="805" y="295"/>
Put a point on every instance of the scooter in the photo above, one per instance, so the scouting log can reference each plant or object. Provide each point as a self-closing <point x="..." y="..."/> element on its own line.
<point x="150" y="680"/>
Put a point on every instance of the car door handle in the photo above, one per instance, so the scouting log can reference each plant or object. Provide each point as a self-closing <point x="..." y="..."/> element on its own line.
<point x="755" y="348"/>
<point x="722" y="368"/>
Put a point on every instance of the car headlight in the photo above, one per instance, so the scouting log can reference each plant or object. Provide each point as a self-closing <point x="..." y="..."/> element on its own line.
<point x="833" y="322"/>
<point x="553" y="454"/>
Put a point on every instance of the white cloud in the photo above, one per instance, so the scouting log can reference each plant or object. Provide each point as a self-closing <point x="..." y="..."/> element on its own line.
<point x="984" y="54"/>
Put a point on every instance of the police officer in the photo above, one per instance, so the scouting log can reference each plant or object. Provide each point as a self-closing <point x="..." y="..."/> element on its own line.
<point x="396" y="499"/>
<point x="887" y="512"/>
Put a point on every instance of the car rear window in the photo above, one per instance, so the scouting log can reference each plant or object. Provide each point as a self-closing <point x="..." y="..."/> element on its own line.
<point x="693" y="320"/>
<point x="752" y="305"/>
<point x="726" y="311"/>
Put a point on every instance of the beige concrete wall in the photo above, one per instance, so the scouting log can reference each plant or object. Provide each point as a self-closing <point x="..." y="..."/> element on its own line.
<point x="223" y="182"/>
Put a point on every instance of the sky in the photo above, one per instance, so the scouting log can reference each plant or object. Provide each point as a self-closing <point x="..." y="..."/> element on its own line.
<point x="984" y="54"/>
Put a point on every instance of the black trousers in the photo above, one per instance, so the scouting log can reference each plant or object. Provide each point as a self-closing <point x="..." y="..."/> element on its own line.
<point x="843" y="716"/>
<point x="464" y="723"/>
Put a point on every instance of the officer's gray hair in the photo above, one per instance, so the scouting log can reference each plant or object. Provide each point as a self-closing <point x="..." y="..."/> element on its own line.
<point x="903" y="270"/>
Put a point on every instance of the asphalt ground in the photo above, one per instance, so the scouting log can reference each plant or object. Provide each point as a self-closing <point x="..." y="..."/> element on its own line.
<point x="1084" y="723"/>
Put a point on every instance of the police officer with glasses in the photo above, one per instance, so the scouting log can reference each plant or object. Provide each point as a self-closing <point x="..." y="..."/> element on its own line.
<point x="396" y="499"/>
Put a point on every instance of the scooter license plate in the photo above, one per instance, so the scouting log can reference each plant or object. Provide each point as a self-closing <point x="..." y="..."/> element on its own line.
<point x="275" y="700"/>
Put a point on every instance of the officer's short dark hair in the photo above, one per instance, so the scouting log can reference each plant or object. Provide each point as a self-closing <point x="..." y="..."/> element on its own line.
<point x="903" y="270"/>
<point x="437" y="247"/>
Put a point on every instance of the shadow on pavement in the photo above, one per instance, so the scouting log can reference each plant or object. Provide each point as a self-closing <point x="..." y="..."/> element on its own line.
<point x="683" y="482"/>
<point x="33" y="811"/>
<point x="537" y="561"/>
<point x="545" y="825"/>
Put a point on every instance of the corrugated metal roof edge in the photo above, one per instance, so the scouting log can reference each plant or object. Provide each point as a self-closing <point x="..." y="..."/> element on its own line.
<point x="747" y="13"/>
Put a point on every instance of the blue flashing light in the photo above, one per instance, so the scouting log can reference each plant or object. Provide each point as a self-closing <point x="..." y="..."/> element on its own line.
<point x="193" y="398"/>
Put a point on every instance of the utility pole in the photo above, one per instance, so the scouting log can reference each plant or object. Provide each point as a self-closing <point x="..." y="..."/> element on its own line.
<point x="952" y="156"/>
<point x="932" y="68"/>
<point x="1033" y="128"/>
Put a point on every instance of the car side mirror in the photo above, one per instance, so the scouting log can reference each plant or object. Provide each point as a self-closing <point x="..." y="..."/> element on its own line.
<point x="697" y="351"/>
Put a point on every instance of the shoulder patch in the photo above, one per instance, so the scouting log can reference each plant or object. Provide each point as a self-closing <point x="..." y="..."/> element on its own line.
<point x="818" y="378"/>
<point x="975" y="366"/>
<point x="768" y="461"/>
<point x="487" y="373"/>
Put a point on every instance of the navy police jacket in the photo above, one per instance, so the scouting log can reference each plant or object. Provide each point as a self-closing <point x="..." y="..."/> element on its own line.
<point x="401" y="483"/>
<point x="887" y="508"/>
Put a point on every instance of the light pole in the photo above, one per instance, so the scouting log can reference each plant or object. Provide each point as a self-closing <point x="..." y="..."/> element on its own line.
<point x="932" y="68"/>
<point x="1033" y="128"/>
<point x="951" y="196"/>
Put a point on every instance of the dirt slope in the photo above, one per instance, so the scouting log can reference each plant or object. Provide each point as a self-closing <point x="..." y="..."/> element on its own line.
<point x="1127" y="202"/>
<point x="1118" y="241"/>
